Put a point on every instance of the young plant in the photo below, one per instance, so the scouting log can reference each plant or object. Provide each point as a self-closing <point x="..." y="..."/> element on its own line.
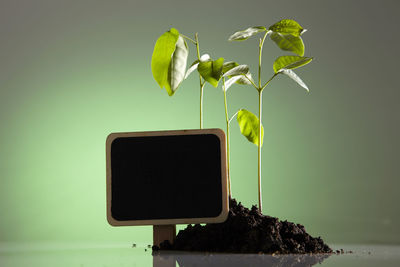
<point x="169" y="60"/>
<point x="233" y="71"/>
<point x="287" y="35"/>
<point x="212" y="72"/>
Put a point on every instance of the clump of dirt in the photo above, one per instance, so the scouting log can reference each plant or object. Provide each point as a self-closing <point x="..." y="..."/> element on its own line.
<point x="247" y="231"/>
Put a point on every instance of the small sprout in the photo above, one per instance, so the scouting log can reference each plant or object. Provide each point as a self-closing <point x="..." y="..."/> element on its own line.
<point x="169" y="62"/>
<point x="286" y="35"/>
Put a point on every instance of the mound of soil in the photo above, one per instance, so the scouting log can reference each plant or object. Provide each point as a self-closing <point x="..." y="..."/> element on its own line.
<point x="247" y="231"/>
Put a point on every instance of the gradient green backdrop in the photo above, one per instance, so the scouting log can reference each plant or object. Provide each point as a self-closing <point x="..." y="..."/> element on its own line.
<point x="71" y="72"/>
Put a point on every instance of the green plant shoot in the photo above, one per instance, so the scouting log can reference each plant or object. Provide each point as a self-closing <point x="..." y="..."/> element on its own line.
<point x="169" y="64"/>
<point x="169" y="60"/>
<point x="234" y="73"/>
<point x="212" y="71"/>
<point x="286" y="34"/>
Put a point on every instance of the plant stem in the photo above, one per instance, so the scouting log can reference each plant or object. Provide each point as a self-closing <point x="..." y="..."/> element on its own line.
<point x="190" y="39"/>
<point x="233" y="116"/>
<point x="196" y="36"/>
<point x="251" y="81"/>
<point x="201" y="103"/>
<point x="227" y="141"/>
<point x="201" y="81"/>
<point x="259" y="149"/>
<point x="265" y="85"/>
<point x="259" y="58"/>
<point x="260" y="89"/>
<point x="259" y="64"/>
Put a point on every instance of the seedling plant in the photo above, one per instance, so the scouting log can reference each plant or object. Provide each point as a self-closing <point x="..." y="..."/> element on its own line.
<point x="169" y="62"/>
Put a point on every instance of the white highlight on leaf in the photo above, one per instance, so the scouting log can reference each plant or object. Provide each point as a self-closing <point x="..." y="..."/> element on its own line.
<point x="245" y="34"/>
<point x="191" y="69"/>
<point x="244" y="80"/>
<point x="178" y="64"/>
<point x="205" y="57"/>
<point x="294" y="77"/>
<point x="231" y="81"/>
<point x="241" y="69"/>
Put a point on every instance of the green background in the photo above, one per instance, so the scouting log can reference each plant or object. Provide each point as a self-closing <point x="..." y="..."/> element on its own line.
<point x="71" y="72"/>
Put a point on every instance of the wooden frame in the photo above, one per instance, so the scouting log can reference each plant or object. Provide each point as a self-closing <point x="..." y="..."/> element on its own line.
<point x="224" y="181"/>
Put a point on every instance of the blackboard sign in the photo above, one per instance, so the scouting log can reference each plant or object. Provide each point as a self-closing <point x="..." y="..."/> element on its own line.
<point x="166" y="177"/>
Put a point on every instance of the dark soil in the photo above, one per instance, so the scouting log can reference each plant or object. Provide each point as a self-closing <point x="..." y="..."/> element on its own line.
<point x="247" y="231"/>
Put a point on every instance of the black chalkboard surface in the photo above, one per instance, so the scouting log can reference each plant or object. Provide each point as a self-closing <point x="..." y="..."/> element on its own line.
<point x="166" y="177"/>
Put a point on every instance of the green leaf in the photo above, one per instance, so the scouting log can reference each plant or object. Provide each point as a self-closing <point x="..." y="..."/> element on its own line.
<point x="194" y="65"/>
<point x="162" y="55"/>
<point x="289" y="42"/>
<point x="236" y="73"/>
<point x="211" y="71"/>
<point x="287" y="26"/>
<point x="177" y="66"/>
<point x="290" y="62"/>
<point x="244" y="80"/>
<point x="239" y="79"/>
<point x="245" y="34"/>
<point x="238" y="70"/>
<point x="228" y="65"/>
<point x="248" y="123"/>
<point x="294" y="77"/>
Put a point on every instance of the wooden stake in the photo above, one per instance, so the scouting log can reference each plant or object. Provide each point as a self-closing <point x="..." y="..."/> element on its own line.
<point x="163" y="232"/>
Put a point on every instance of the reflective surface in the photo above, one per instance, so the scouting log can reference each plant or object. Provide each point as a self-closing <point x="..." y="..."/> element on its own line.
<point x="120" y="254"/>
<point x="235" y="260"/>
